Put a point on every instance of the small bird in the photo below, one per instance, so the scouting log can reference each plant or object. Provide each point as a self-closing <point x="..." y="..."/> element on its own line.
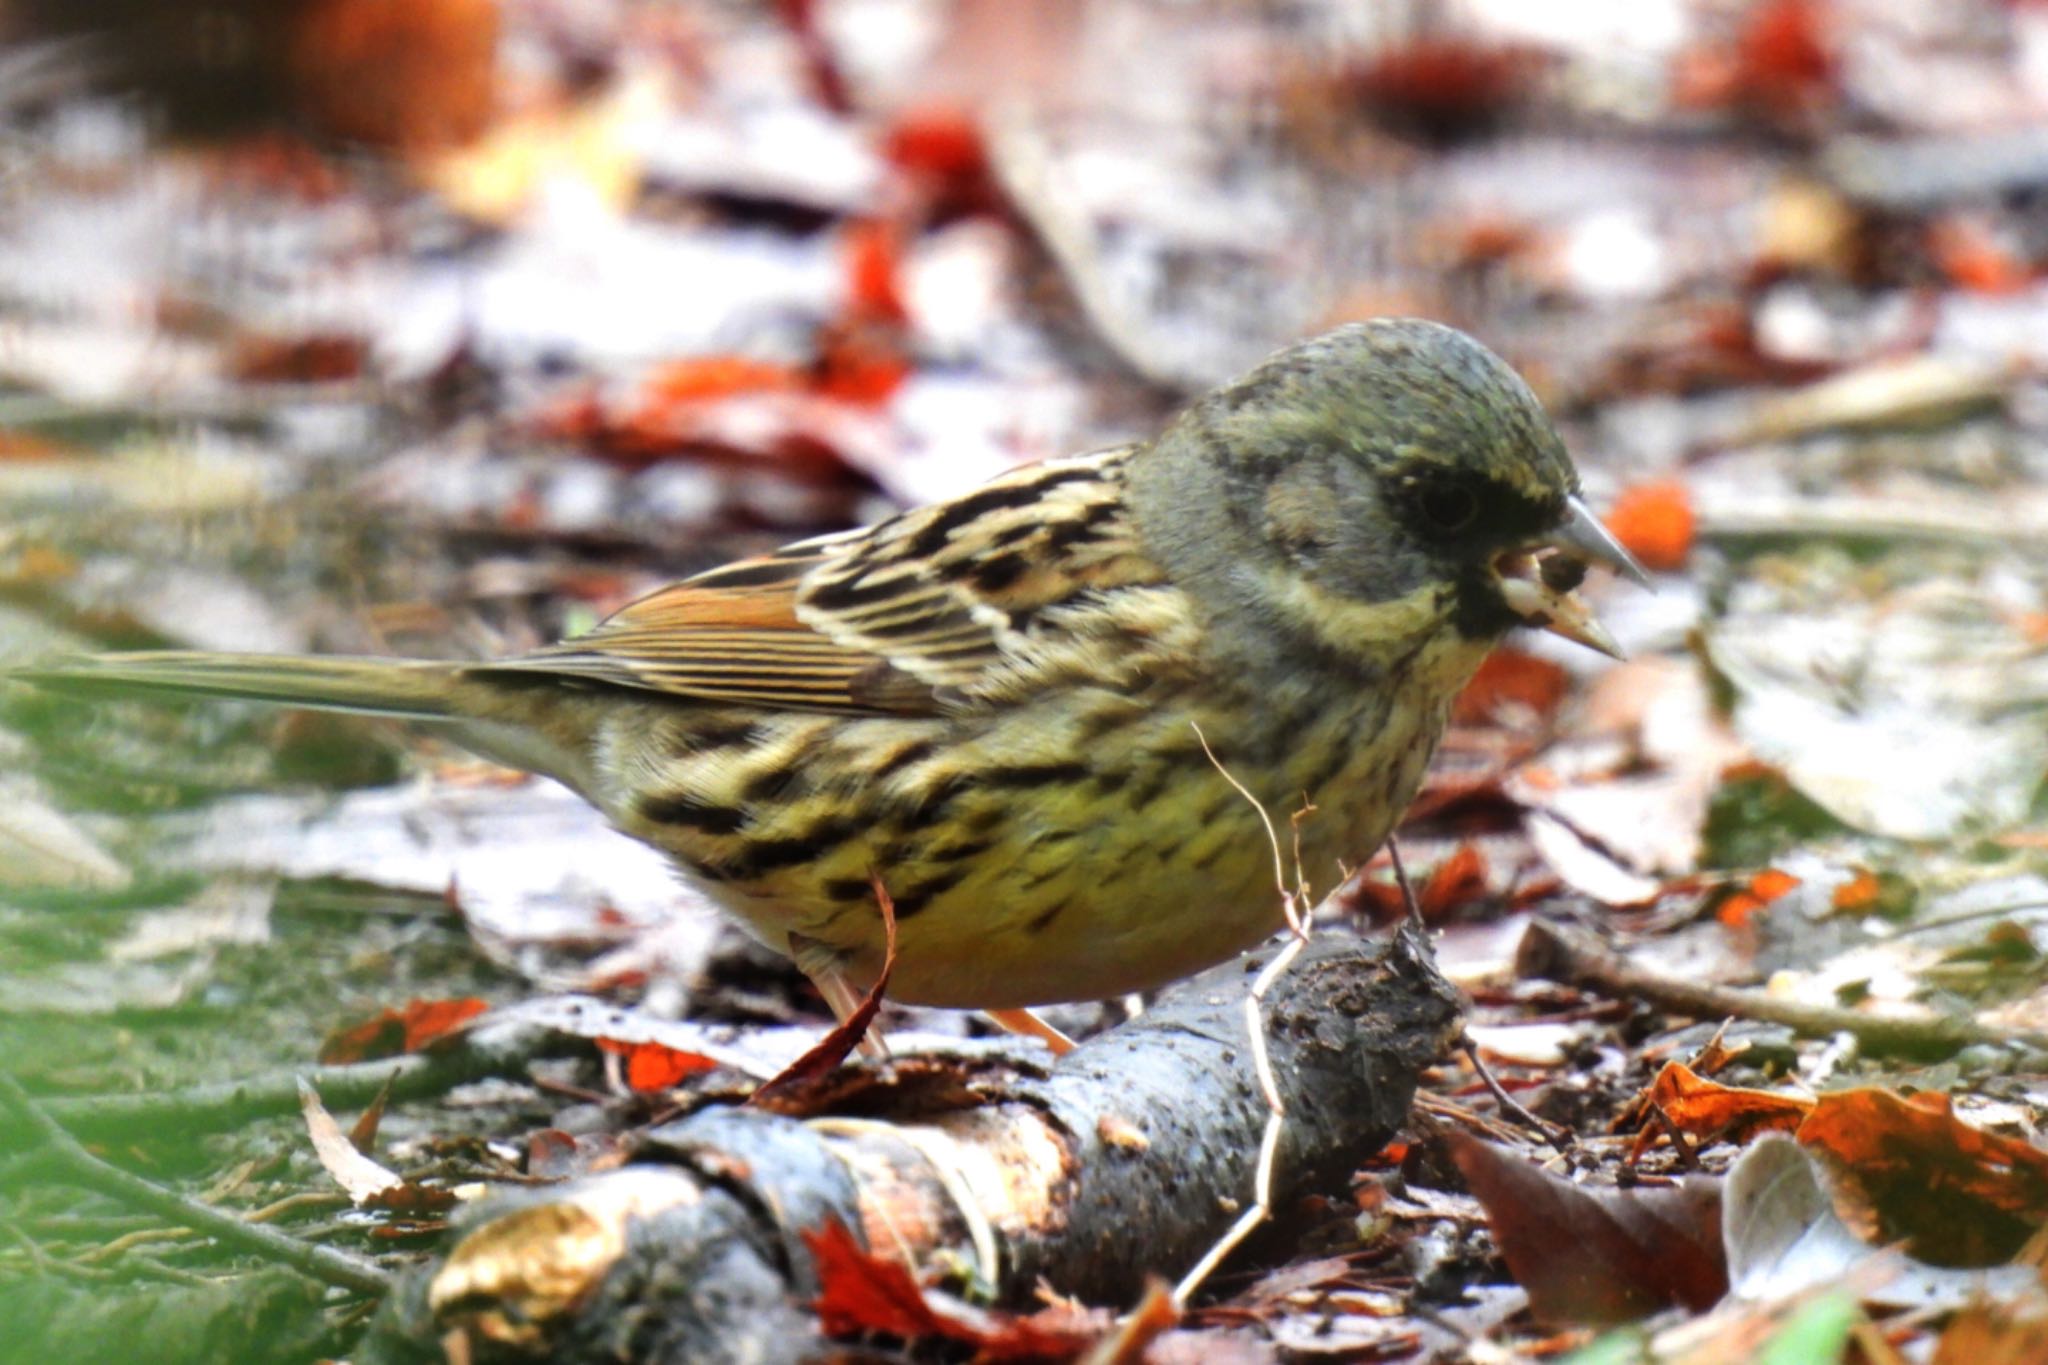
<point x="1026" y="712"/>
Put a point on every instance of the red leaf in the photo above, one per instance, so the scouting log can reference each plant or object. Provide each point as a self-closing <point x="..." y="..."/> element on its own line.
<point x="418" y="1026"/>
<point x="656" y="1066"/>
<point x="874" y="271"/>
<point x="822" y="1060"/>
<point x="1455" y="881"/>
<point x="1656" y="522"/>
<point x="1765" y="887"/>
<point x="1510" y="677"/>
<point x="858" y="1292"/>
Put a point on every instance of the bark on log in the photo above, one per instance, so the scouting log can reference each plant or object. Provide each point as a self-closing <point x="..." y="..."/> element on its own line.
<point x="1127" y="1159"/>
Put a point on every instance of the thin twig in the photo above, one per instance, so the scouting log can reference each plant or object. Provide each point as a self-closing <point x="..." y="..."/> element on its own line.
<point x="1573" y="957"/>
<point x="1292" y="902"/>
<point x="1408" y="899"/>
<point x="321" y="1263"/>
<point x="1558" y="1137"/>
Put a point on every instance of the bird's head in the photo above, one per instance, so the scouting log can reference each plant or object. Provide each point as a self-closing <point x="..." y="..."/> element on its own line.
<point x="1384" y="479"/>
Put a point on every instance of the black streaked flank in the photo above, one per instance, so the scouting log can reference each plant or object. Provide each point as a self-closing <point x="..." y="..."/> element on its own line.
<point x="915" y="752"/>
<point x="1038" y="922"/>
<point x="770" y="782"/>
<point x="772" y="855"/>
<point x="953" y="853"/>
<point x="707" y="738"/>
<point x="690" y="813"/>
<point x="934" y="805"/>
<point x="921" y="896"/>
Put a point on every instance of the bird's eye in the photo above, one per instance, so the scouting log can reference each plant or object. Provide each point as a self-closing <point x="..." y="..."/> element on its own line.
<point x="1448" y="506"/>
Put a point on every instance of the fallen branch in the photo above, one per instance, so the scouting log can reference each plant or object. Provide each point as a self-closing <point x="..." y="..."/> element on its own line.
<point x="1573" y="957"/>
<point x="1127" y="1159"/>
<point x="82" y="1167"/>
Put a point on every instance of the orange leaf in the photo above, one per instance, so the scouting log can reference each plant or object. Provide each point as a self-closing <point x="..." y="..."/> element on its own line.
<point x="1957" y="1195"/>
<point x="656" y="1066"/>
<point x="419" y="1025"/>
<point x="1453" y="882"/>
<point x="1510" y="677"/>
<point x="696" y="378"/>
<point x="874" y="271"/>
<point x="860" y="362"/>
<point x="1765" y="887"/>
<point x="1858" y="894"/>
<point x="1709" y="1110"/>
<point x="429" y="1021"/>
<point x="860" y="1293"/>
<point x="27" y="445"/>
<point x="940" y="141"/>
<point x="1656" y="522"/>
<point x="1971" y="257"/>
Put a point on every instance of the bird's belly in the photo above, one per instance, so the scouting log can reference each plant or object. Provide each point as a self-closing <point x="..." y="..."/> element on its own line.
<point x="1052" y="853"/>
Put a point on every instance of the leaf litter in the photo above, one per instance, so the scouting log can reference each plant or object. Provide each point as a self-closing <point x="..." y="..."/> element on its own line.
<point x="711" y="280"/>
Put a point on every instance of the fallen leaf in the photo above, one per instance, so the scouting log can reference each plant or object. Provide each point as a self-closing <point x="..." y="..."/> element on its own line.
<point x="861" y="1293"/>
<point x="1710" y="1111"/>
<point x="41" y="847"/>
<point x="1508" y="677"/>
<point x="319" y="358"/>
<point x="654" y="1066"/>
<point x="1746" y="899"/>
<point x="415" y="1028"/>
<point x="1633" y="1252"/>
<point x="1956" y="1195"/>
<point x="1455" y="881"/>
<point x="359" y="1176"/>
<point x="874" y="270"/>
<point x="786" y="1089"/>
<point x="1656" y="522"/>
<point x="408" y="75"/>
<point x="1993" y="1334"/>
<point x="1779" y="1224"/>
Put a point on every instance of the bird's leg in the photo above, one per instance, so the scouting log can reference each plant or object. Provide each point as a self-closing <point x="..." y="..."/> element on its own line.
<point x="845" y="1000"/>
<point x="1029" y="1025"/>
<point x="827" y="971"/>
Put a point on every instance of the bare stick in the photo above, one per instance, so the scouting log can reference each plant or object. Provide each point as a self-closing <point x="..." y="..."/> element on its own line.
<point x="1558" y="953"/>
<point x="321" y="1263"/>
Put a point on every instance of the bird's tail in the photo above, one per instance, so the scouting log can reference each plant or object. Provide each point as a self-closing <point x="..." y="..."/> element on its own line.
<point x="416" y="689"/>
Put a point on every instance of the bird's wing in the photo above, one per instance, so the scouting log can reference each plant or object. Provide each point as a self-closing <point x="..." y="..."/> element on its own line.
<point x="990" y="596"/>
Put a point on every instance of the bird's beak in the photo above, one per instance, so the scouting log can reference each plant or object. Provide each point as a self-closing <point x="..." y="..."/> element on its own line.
<point x="1538" y="587"/>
